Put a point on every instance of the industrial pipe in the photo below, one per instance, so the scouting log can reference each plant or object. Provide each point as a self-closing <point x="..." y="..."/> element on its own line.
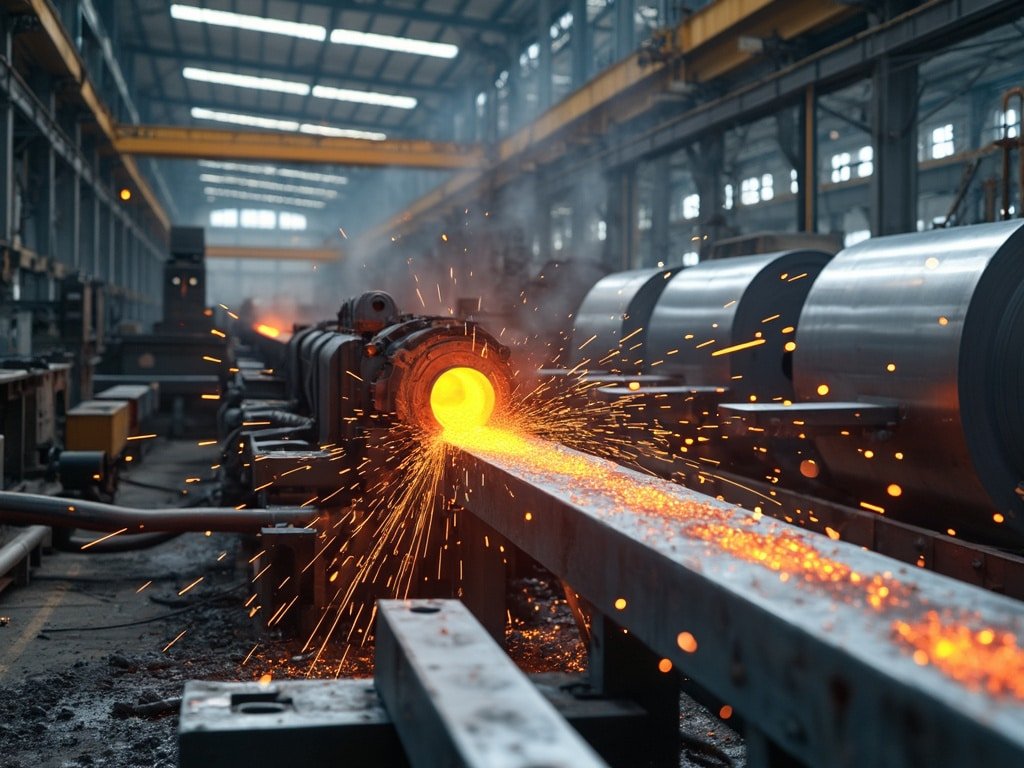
<point x="35" y="509"/>
<point x="20" y="547"/>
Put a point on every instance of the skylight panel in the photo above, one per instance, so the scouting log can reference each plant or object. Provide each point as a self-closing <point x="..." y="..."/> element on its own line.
<point x="255" y="121"/>
<point x="240" y="194"/>
<point x="272" y="186"/>
<point x="393" y="43"/>
<point x="273" y="170"/>
<point x="342" y="133"/>
<point x="245" y="81"/>
<point x="252" y="23"/>
<point x="364" y="97"/>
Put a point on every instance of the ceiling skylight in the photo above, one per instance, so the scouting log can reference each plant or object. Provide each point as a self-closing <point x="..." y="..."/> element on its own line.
<point x="364" y="97"/>
<point x="239" y="194"/>
<point x="341" y="133"/>
<point x="252" y="23"/>
<point x="245" y="81"/>
<point x="255" y="121"/>
<point x="271" y="186"/>
<point x="292" y="126"/>
<point x="273" y="170"/>
<point x="391" y="43"/>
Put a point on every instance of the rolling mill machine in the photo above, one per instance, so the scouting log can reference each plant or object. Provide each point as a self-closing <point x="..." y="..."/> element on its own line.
<point x="386" y="455"/>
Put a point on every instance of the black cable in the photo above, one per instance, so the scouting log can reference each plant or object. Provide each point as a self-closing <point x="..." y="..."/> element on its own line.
<point x="705" y="753"/>
<point x="127" y="542"/>
<point x="151" y="619"/>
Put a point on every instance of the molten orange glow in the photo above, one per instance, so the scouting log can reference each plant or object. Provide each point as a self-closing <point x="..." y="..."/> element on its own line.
<point x="268" y="330"/>
<point x="462" y="398"/>
<point x="985" y="659"/>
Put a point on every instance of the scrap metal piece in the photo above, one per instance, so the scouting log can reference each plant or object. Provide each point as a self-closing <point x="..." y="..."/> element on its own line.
<point x="458" y="700"/>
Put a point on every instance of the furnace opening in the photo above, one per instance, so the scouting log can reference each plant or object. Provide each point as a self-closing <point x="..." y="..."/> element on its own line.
<point x="462" y="398"/>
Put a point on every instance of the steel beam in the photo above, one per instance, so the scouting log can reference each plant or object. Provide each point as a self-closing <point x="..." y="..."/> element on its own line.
<point x="273" y="254"/>
<point x="894" y="99"/>
<point x="171" y="141"/>
<point x="818" y="669"/>
<point x="457" y="700"/>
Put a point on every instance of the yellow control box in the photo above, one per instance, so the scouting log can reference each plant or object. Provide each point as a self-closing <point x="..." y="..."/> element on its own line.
<point x="95" y="425"/>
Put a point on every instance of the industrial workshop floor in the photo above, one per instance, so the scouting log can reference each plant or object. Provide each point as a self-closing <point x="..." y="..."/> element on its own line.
<point x="94" y="652"/>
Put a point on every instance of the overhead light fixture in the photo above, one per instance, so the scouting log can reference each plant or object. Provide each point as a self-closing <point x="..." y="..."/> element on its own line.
<point x="235" y="118"/>
<point x="255" y="121"/>
<point x="273" y="170"/>
<point x="252" y="23"/>
<point x="259" y="197"/>
<point x="392" y="43"/>
<point x="341" y="133"/>
<point x="364" y="97"/>
<point x="272" y="186"/>
<point x="245" y="81"/>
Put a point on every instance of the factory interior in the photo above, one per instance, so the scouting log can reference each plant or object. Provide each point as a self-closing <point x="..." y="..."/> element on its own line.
<point x="510" y="384"/>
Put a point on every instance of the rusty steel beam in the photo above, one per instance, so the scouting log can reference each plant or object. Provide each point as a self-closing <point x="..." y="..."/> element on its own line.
<point x="272" y="254"/>
<point x="812" y="666"/>
<point x="457" y="700"/>
<point x="226" y="143"/>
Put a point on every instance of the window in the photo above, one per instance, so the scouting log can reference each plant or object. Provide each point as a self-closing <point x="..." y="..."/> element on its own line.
<point x="749" y="191"/>
<point x="258" y="218"/>
<point x="865" y="161"/>
<point x="644" y="217"/>
<point x="794" y="184"/>
<point x="288" y="220"/>
<point x="601" y="230"/>
<point x="224" y="217"/>
<point x="691" y="259"/>
<point x="942" y="141"/>
<point x="691" y="206"/>
<point x="727" y="201"/>
<point x="757" y="189"/>
<point x="840" y="167"/>
<point x="1008" y="121"/>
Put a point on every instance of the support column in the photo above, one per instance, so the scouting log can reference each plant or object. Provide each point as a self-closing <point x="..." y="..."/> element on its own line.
<point x="544" y="65"/>
<point x="42" y="178"/>
<point x="894" y="136"/>
<point x="807" y="173"/>
<point x="625" y="28"/>
<point x="620" y="243"/>
<point x="705" y="159"/>
<point x="660" y="209"/>
<point x="67" y="217"/>
<point x="7" y="224"/>
<point x="579" y="43"/>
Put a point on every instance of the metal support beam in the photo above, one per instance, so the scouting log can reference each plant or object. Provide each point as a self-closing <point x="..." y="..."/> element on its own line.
<point x="620" y="241"/>
<point x="171" y="141"/>
<point x="579" y="42"/>
<point x="660" y="210"/>
<point x="437" y="673"/>
<point x="7" y="224"/>
<point x="625" y="28"/>
<point x="273" y="254"/>
<point x="807" y="172"/>
<point x="894" y="136"/>
<point x="544" y="60"/>
<point x="813" y="650"/>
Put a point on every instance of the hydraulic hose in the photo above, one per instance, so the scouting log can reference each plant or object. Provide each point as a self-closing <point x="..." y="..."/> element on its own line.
<point x="35" y="509"/>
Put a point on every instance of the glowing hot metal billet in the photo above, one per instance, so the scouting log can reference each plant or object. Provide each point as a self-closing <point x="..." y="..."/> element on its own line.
<point x="834" y="654"/>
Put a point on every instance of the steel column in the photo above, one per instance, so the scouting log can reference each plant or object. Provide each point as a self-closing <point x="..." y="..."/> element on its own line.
<point x="807" y="173"/>
<point x="7" y="224"/>
<point x="894" y="136"/>
<point x="660" y="209"/>
<point x="579" y="43"/>
<point x="544" y="65"/>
